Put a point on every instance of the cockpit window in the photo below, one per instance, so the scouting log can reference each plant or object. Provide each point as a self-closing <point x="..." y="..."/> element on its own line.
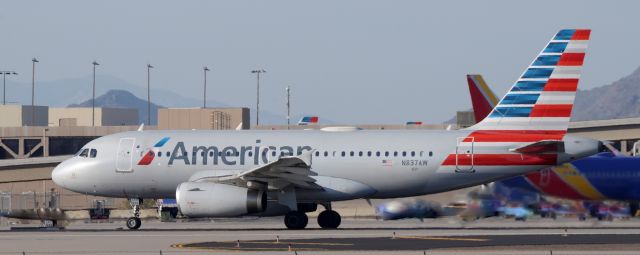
<point x="93" y="153"/>
<point x="84" y="153"/>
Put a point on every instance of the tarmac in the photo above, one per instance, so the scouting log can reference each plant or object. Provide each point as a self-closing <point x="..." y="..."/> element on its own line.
<point x="356" y="236"/>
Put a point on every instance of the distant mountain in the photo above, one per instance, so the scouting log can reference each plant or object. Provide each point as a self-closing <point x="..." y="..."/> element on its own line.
<point x="124" y="99"/>
<point x="62" y="92"/>
<point x="620" y="99"/>
<point x="71" y="91"/>
<point x="117" y="98"/>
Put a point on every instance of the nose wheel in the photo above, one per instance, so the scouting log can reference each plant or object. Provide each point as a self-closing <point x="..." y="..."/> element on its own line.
<point x="134" y="222"/>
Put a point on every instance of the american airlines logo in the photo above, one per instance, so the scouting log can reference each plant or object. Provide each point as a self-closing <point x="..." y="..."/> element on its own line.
<point x="151" y="153"/>
<point x="231" y="155"/>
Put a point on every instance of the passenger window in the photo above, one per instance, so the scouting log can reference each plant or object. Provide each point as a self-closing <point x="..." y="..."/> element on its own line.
<point x="343" y="153"/>
<point x="431" y="154"/>
<point x="369" y="153"/>
<point x="386" y="154"/>
<point x="377" y="154"/>
<point x="159" y="154"/>
<point x="94" y="152"/>
<point x="360" y="153"/>
<point x="84" y="153"/>
<point x="168" y="154"/>
<point x="210" y="154"/>
<point x="250" y="154"/>
<point x="421" y="153"/>
<point x="413" y="153"/>
<point x="317" y="154"/>
<point x="352" y="153"/>
<point x="273" y="153"/>
<point x="326" y="153"/>
<point x="404" y="153"/>
<point x="395" y="153"/>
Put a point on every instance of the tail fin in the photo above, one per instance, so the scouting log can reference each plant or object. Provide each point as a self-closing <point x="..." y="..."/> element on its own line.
<point x="482" y="98"/>
<point x="543" y="97"/>
<point x="308" y="120"/>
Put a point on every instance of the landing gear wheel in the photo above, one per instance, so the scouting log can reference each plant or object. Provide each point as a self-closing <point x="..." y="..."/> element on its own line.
<point x="296" y="220"/>
<point x="329" y="219"/>
<point x="134" y="223"/>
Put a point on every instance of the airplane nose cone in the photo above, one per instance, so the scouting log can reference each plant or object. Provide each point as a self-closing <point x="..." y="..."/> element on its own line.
<point x="59" y="172"/>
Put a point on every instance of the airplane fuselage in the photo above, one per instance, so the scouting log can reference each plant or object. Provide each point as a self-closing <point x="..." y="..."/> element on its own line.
<point x="357" y="164"/>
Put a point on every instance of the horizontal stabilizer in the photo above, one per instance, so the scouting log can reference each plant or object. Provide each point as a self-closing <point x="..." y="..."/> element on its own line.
<point x="543" y="146"/>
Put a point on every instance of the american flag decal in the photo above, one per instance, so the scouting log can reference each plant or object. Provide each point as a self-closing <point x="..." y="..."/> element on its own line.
<point x="386" y="162"/>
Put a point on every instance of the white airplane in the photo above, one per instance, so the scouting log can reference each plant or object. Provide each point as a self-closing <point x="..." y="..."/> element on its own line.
<point x="267" y="173"/>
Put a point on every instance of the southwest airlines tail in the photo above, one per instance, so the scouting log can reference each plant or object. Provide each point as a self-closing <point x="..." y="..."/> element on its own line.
<point x="483" y="99"/>
<point x="542" y="99"/>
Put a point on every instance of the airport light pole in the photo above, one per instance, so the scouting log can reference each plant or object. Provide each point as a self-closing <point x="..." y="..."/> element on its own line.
<point x="149" y="66"/>
<point x="258" y="72"/>
<point x="205" y="70"/>
<point x="33" y="88"/>
<point x="93" y="100"/>
<point x="4" y="84"/>
<point x="288" y="107"/>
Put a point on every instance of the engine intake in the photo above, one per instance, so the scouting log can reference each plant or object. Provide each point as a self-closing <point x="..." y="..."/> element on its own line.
<point x="206" y="199"/>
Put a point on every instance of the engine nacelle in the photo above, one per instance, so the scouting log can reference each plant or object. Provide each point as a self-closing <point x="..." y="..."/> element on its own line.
<point x="206" y="199"/>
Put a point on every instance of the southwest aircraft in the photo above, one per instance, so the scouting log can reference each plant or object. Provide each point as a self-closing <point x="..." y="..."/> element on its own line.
<point x="605" y="176"/>
<point x="267" y="173"/>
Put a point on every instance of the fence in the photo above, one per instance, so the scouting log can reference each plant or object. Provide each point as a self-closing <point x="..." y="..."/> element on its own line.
<point x="51" y="199"/>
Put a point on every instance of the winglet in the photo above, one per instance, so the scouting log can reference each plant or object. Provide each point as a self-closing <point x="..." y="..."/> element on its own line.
<point x="141" y="128"/>
<point x="239" y="127"/>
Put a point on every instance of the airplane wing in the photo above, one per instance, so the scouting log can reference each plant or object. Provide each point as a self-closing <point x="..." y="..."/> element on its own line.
<point x="541" y="147"/>
<point x="278" y="174"/>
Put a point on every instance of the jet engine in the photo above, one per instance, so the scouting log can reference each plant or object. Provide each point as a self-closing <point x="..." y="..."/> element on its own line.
<point x="206" y="199"/>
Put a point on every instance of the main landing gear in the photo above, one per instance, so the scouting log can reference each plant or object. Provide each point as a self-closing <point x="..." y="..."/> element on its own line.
<point x="327" y="219"/>
<point x="134" y="222"/>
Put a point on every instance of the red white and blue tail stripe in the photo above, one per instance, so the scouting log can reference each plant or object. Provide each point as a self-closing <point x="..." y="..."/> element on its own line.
<point x="542" y="99"/>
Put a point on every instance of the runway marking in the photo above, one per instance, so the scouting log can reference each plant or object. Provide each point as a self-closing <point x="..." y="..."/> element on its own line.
<point x="445" y="238"/>
<point x="182" y="246"/>
<point x="284" y="242"/>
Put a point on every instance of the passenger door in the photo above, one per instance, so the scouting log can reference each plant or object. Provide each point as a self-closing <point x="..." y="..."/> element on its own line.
<point x="464" y="155"/>
<point x="124" y="158"/>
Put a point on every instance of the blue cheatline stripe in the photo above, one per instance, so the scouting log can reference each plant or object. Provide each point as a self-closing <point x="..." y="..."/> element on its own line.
<point x="538" y="73"/>
<point x="546" y="60"/>
<point x="564" y="34"/>
<point x="510" y="112"/>
<point x="161" y="142"/>
<point x="555" y="47"/>
<point x="520" y="99"/>
<point x="529" y="86"/>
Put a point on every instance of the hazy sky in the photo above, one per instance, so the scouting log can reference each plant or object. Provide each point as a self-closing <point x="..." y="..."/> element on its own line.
<point x="349" y="61"/>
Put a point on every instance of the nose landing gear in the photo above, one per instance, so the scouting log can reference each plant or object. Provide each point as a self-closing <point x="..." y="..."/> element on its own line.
<point x="134" y="222"/>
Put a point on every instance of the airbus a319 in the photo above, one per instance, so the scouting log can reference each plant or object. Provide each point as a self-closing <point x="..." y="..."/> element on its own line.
<point x="267" y="173"/>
